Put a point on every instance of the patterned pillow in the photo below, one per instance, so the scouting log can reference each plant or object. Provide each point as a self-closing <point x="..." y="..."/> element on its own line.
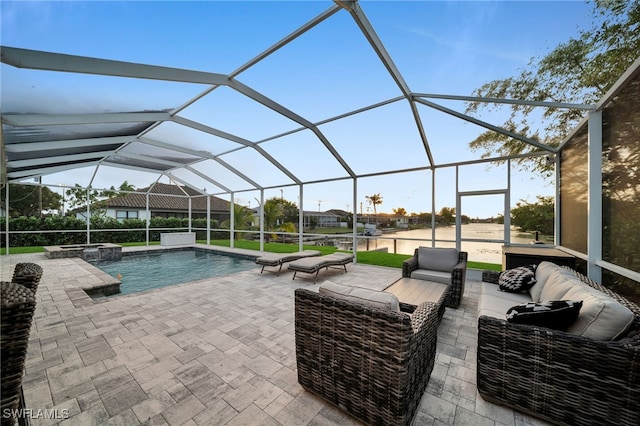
<point x="557" y="314"/>
<point x="518" y="279"/>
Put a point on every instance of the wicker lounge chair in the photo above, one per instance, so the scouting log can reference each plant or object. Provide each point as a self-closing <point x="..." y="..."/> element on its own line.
<point x="373" y="363"/>
<point x="313" y="265"/>
<point x="276" y="260"/>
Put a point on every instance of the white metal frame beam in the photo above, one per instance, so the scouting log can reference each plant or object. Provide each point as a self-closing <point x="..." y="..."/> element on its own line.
<point x="370" y="34"/>
<point x="585" y="107"/>
<point x="35" y="172"/>
<point x="69" y="143"/>
<point x="43" y="161"/>
<point x="245" y="143"/>
<point x="22" y="120"/>
<point x="201" y="154"/>
<point x="269" y="103"/>
<point x="39" y="60"/>
<point x="486" y="125"/>
<point x="594" y="196"/>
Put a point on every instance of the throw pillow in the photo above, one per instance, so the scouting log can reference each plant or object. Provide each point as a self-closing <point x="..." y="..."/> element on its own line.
<point x="557" y="314"/>
<point x="518" y="279"/>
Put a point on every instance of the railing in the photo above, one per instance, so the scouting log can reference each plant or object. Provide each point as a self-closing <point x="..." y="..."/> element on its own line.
<point x="395" y="244"/>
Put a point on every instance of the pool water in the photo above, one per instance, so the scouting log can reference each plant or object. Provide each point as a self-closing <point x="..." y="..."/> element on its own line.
<point x="150" y="271"/>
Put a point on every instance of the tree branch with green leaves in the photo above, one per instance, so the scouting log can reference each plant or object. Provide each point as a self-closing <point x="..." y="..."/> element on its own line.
<point x="578" y="71"/>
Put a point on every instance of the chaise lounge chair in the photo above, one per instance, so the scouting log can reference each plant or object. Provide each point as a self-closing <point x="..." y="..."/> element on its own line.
<point x="278" y="259"/>
<point x="313" y="265"/>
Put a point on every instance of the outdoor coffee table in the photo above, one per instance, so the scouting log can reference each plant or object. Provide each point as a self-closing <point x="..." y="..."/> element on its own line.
<point x="412" y="292"/>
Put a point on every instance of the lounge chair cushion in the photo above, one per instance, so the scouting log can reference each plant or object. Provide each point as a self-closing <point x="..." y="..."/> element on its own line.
<point x="364" y="296"/>
<point x="275" y="259"/>
<point x="437" y="259"/>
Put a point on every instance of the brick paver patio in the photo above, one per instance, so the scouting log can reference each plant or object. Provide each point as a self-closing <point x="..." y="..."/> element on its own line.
<point x="215" y="351"/>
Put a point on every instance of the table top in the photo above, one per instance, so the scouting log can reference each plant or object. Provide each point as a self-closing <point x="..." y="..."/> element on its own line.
<point x="535" y="251"/>
<point x="413" y="291"/>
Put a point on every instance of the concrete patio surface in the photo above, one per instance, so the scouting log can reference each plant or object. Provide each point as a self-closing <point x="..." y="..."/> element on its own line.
<point x="211" y="352"/>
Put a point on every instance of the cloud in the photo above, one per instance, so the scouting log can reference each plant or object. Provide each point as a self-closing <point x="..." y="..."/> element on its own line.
<point x="467" y="44"/>
<point x="14" y="13"/>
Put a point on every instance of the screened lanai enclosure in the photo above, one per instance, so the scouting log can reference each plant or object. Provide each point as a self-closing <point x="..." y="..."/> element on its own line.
<point x="326" y="108"/>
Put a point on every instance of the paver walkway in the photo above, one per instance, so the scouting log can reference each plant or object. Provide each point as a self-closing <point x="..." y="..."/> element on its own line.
<point x="216" y="351"/>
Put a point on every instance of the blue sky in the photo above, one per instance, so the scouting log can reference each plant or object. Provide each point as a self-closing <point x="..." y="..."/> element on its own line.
<point x="445" y="47"/>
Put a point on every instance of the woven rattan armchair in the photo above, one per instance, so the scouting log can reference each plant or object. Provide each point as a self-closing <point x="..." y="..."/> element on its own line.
<point x="374" y="364"/>
<point x="558" y="376"/>
<point x="455" y="276"/>
<point x="16" y="313"/>
<point x="28" y="274"/>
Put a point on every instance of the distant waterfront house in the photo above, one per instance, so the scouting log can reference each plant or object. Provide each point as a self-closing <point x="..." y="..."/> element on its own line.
<point x="165" y="201"/>
<point x="320" y="219"/>
<point x="401" y="221"/>
<point x="344" y="215"/>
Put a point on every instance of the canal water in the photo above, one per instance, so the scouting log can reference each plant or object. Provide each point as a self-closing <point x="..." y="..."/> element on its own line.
<point x="405" y="242"/>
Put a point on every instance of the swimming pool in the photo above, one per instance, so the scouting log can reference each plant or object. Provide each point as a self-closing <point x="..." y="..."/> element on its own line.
<point x="166" y="268"/>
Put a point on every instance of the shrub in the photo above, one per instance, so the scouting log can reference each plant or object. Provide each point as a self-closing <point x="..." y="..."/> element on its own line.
<point x="129" y="230"/>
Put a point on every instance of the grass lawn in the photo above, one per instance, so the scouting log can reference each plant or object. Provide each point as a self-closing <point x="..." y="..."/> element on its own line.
<point x="379" y="258"/>
<point x="22" y="250"/>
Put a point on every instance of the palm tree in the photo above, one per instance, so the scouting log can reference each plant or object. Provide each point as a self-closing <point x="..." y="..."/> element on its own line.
<point x="272" y="212"/>
<point x="242" y="218"/>
<point x="374" y="199"/>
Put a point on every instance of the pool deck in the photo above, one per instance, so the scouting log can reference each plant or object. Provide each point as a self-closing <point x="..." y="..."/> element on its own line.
<point x="215" y="351"/>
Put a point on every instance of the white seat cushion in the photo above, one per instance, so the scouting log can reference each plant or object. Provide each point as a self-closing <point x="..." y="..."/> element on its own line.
<point x="365" y="296"/>
<point x="496" y="303"/>
<point x="436" y="276"/>
<point x="543" y="271"/>
<point x="557" y="286"/>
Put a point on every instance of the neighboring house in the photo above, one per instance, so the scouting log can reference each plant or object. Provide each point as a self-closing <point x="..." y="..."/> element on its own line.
<point x="165" y="201"/>
<point x="344" y="215"/>
<point x="402" y="222"/>
<point x="386" y="219"/>
<point x="320" y="219"/>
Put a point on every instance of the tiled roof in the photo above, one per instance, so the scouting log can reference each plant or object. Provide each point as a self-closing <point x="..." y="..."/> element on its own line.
<point x="138" y="200"/>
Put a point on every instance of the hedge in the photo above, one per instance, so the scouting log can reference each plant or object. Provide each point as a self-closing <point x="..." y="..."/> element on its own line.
<point x="74" y="230"/>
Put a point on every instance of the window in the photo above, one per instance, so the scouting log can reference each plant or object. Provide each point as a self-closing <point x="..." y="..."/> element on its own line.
<point x="126" y="214"/>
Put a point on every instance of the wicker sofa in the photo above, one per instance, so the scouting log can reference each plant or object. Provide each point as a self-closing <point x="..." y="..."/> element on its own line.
<point x="565" y="377"/>
<point x="371" y="362"/>
<point x="442" y="265"/>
